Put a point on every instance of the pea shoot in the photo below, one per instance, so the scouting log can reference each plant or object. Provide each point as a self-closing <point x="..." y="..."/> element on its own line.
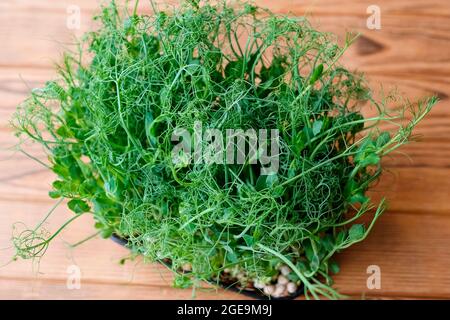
<point x="106" y="124"/>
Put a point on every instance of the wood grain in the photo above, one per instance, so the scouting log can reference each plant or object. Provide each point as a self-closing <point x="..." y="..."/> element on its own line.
<point x="411" y="241"/>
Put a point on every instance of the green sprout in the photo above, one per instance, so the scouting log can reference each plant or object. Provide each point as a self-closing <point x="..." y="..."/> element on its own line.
<point x="106" y="125"/>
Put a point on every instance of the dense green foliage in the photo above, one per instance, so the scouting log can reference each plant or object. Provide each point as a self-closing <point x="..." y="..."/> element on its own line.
<point x="107" y="124"/>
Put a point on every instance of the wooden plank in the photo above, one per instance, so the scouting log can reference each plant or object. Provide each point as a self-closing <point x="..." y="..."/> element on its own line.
<point x="411" y="251"/>
<point x="57" y="290"/>
<point x="437" y="8"/>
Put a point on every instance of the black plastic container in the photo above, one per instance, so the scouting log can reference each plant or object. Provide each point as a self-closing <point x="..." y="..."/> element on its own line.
<point x="249" y="293"/>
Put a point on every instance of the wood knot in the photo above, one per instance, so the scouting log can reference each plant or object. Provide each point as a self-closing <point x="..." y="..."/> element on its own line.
<point x="366" y="46"/>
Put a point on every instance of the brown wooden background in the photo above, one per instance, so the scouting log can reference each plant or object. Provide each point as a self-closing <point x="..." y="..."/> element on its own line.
<point x="411" y="242"/>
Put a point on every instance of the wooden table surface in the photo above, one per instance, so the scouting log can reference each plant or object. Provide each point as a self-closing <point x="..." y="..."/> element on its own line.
<point x="411" y="242"/>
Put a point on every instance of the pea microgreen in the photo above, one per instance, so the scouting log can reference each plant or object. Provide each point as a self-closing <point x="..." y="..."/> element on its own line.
<point x="106" y="125"/>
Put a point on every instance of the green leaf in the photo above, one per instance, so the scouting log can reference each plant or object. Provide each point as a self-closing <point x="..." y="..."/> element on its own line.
<point x="78" y="206"/>
<point x="317" y="127"/>
<point x="266" y="181"/>
<point x="248" y="240"/>
<point x="87" y="188"/>
<point x="182" y="281"/>
<point x="231" y="256"/>
<point x="64" y="132"/>
<point x="383" y="139"/>
<point x="58" y="185"/>
<point x="61" y="171"/>
<point x="315" y="263"/>
<point x="358" y="198"/>
<point x="99" y="225"/>
<point x="371" y="159"/>
<point x="299" y="142"/>
<point x="301" y="266"/>
<point x="112" y="188"/>
<point x="234" y="69"/>
<point x="54" y="194"/>
<point x="278" y="191"/>
<point x="293" y="277"/>
<point x="317" y="73"/>
<point x="309" y="252"/>
<point x="271" y="180"/>
<point x="307" y="134"/>
<point x="107" y="233"/>
<point x="356" y="232"/>
<point x="340" y="238"/>
<point x="129" y="25"/>
<point x="334" y="267"/>
<point x="56" y="91"/>
<point x="327" y="243"/>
